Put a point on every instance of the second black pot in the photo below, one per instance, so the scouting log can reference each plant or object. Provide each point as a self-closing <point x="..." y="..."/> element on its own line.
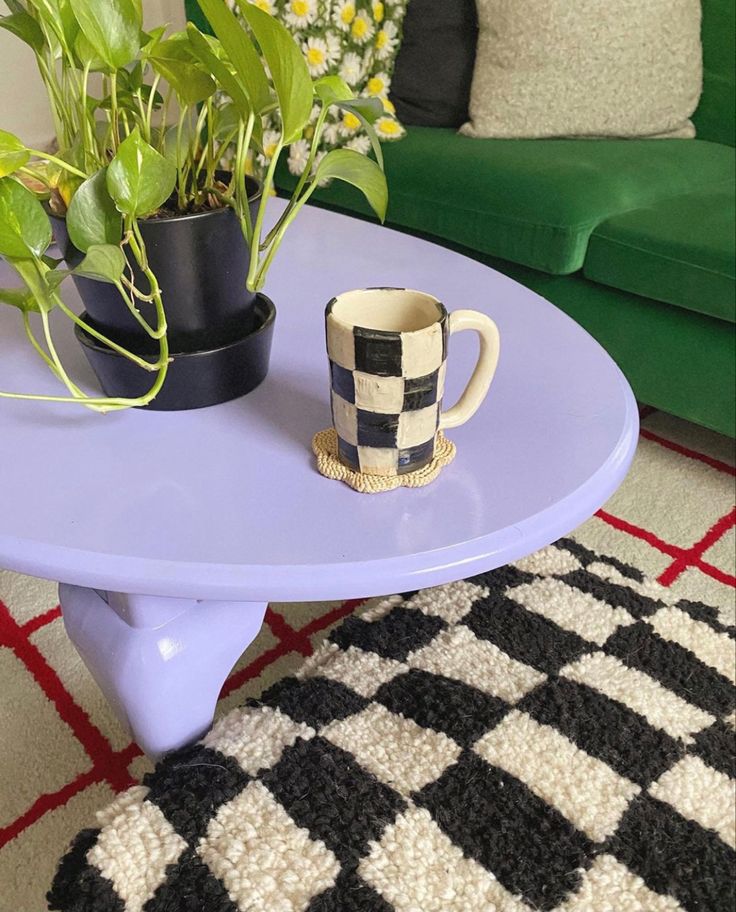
<point x="201" y="262"/>
<point x="195" y="379"/>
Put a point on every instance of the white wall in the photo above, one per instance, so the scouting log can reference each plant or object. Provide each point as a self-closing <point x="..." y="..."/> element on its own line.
<point x="23" y="104"/>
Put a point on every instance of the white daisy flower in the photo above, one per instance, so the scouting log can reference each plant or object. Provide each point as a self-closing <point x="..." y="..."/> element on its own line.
<point x="331" y="134"/>
<point x="378" y="11"/>
<point x="265" y="5"/>
<point x="349" y="123"/>
<point x="351" y="68"/>
<point x="270" y="139"/>
<point x="316" y="55"/>
<point x="388" y="128"/>
<point x="298" y="156"/>
<point x="378" y="85"/>
<point x="334" y="46"/>
<point x="362" y="28"/>
<point x="344" y="14"/>
<point x="300" y="13"/>
<point x="359" y="144"/>
<point x="386" y="40"/>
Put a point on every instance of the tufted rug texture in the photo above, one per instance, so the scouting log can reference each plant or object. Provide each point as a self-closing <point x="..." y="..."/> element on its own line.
<point x="553" y="735"/>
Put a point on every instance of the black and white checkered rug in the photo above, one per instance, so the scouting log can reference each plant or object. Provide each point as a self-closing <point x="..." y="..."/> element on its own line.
<point x="554" y="735"/>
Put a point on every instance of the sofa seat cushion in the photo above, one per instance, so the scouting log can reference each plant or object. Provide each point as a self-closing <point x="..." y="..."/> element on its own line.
<point x="679" y="250"/>
<point x="534" y="202"/>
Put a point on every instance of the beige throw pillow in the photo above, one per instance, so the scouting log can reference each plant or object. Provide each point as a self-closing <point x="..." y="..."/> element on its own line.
<point x="586" y="68"/>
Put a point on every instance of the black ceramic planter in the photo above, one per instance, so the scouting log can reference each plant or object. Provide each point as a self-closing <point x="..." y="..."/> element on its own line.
<point x="195" y="379"/>
<point x="201" y="262"/>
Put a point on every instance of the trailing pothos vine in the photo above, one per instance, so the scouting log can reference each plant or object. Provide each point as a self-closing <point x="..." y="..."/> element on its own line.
<point x="142" y="133"/>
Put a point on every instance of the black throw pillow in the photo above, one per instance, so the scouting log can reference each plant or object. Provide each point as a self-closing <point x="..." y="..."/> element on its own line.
<point x="434" y="66"/>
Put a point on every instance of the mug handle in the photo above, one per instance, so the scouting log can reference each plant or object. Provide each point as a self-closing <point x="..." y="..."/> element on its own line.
<point x="477" y="388"/>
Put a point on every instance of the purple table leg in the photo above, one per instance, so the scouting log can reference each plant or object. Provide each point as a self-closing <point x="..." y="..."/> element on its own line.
<point x="159" y="661"/>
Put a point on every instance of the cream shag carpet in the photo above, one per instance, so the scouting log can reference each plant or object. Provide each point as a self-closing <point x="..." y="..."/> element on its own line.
<point x="63" y="756"/>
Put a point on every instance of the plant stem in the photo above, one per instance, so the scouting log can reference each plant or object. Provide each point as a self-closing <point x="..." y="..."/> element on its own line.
<point x="138" y="246"/>
<point x="192" y="152"/>
<point x="256" y="238"/>
<point x="274" y="246"/>
<point x="51" y="90"/>
<point x="181" y="189"/>
<point x="316" y="136"/>
<point x="151" y="102"/>
<point x="222" y="148"/>
<point x="60" y="372"/>
<point x="233" y="189"/>
<point x="129" y="300"/>
<point x="164" y="120"/>
<point x="86" y="134"/>
<point x="306" y="173"/>
<point x="114" y="110"/>
<point x="141" y="362"/>
<point x="47" y="156"/>
<point x="239" y="183"/>
<point x="145" y="128"/>
<point x="41" y="353"/>
<point x="211" y="161"/>
<point x="101" y="405"/>
<point x="35" y="343"/>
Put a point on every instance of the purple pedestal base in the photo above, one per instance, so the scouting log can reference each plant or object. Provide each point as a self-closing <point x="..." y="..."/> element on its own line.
<point x="161" y="662"/>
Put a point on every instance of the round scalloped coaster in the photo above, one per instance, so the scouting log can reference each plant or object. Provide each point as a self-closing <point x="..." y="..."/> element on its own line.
<point x="324" y="445"/>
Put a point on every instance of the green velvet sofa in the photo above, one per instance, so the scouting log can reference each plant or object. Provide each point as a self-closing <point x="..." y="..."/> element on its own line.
<point x="634" y="239"/>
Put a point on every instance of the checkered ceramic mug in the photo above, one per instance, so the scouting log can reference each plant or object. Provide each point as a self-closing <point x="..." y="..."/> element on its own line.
<point x="388" y="349"/>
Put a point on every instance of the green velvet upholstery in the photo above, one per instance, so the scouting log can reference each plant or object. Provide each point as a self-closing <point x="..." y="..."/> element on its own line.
<point x="678" y="250"/>
<point x="675" y="359"/>
<point x="534" y="202"/>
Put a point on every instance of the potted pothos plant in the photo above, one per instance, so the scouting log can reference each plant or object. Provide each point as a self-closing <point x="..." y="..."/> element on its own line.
<point x="161" y="226"/>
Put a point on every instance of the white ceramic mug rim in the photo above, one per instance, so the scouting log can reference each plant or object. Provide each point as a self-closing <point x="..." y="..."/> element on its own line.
<point x="350" y="325"/>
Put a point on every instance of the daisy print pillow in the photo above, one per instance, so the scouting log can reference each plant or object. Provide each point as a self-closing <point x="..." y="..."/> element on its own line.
<point x="355" y="39"/>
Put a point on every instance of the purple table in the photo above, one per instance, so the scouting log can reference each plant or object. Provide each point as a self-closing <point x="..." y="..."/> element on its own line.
<point x="171" y="531"/>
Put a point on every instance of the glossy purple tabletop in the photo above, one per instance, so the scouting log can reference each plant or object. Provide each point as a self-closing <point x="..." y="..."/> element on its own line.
<point x="226" y="503"/>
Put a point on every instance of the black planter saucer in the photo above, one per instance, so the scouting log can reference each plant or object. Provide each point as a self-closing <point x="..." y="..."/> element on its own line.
<point x="195" y="379"/>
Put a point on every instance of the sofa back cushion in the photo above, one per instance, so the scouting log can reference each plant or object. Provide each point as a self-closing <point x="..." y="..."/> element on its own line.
<point x="594" y="68"/>
<point x="434" y="67"/>
<point x="715" y="118"/>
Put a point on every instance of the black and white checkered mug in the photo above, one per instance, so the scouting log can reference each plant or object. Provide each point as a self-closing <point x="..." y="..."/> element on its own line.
<point x="388" y="352"/>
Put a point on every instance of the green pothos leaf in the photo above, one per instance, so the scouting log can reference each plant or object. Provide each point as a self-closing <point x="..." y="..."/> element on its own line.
<point x="112" y="27"/>
<point x="104" y="262"/>
<point x="360" y="171"/>
<point x="25" y="27"/>
<point x="93" y="217"/>
<point x="13" y="153"/>
<point x="139" y="178"/>
<point x="25" y="231"/>
<point x="18" y="297"/>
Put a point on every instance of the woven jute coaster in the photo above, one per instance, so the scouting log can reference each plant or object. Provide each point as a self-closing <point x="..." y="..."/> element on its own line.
<point x="324" y="445"/>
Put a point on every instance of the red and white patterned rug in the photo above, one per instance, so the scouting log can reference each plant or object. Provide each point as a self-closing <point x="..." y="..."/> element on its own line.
<point x="66" y="756"/>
